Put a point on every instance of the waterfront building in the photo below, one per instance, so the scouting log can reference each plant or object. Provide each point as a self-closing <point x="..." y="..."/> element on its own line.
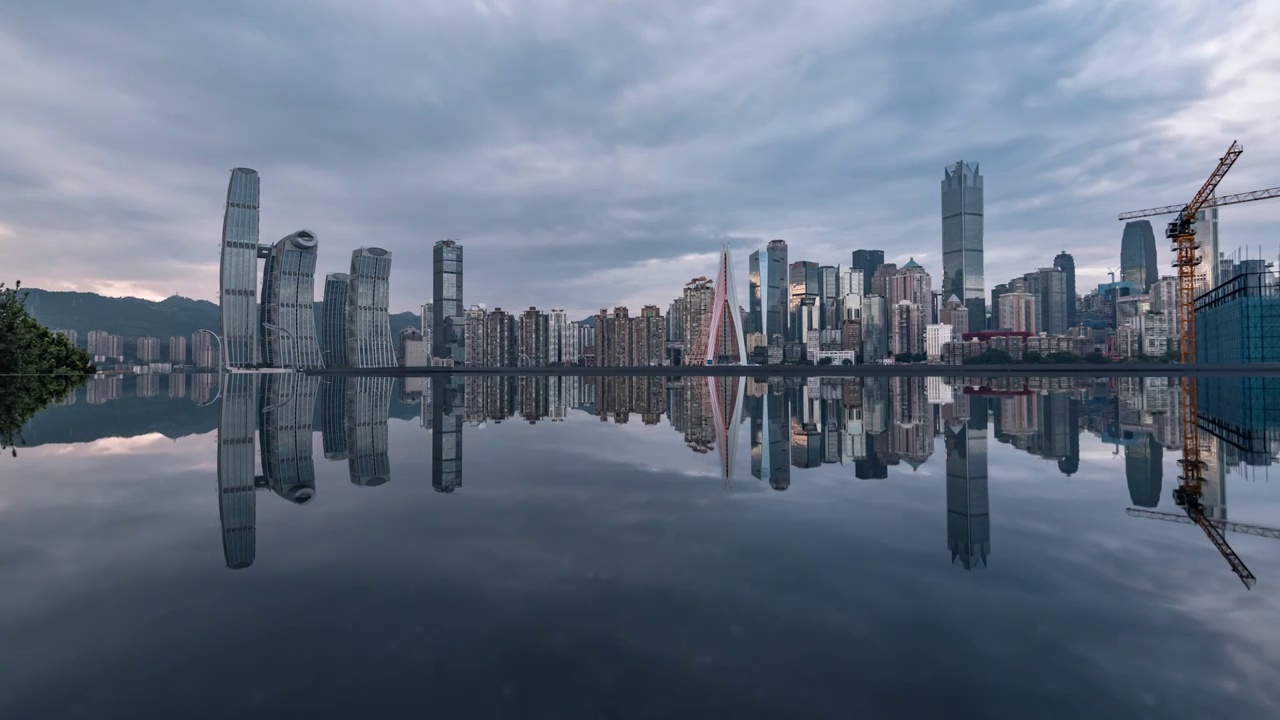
<point x="148" y="349"/>
<point x="178" y="350"/>
<point x="369" y="342"/>
<point x="238" y="272"/>
<point x="1138" y="254"/>
<point x="447" y="333"/>
<point x="534" y="341"/>
<point x="333" y="322"/>
<point x="1067" y="264"/>
<point x="962" y="238"/>
<point x="288" y="303"/>
<point x="867" y="261"/>
<point x="647" y="331"/>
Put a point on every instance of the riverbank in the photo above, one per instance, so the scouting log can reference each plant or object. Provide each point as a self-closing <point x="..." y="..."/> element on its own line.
<point x="914" y="370"/>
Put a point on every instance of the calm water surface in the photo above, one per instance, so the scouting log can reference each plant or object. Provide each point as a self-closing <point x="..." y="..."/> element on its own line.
<point x="190" y="546"/>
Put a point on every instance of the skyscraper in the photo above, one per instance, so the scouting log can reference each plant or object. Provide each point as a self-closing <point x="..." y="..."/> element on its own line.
<point x="875" y="329"/>
<point x="238" y="274"/>
<point x="725" y="343"/>
<point x="500" y="341"/>
<point x="333" y="322"/>
<point x="769" y="299"/>
<point x="1067" y="264"/>
<point x="178" y="350"/>
<point x="647" y="331"/>
<point x="148" y="349"/>
<point x="369" y="341"/>
<point x="1018" y="312"/>
<point x="1138" y="254"/>
<point x="806" y="278"/>
<point x="1049" y="285"/>
<point x="962" y="216"/>
<point x="473" y="329"/>
<point x="698" y="296"/>
<point x="557" y="322"/>
<point x="446" y="294"/>
<point x="867" y="261"/>
<point x="288" y="303"/>
<point x="534" y="341"/>
<point x="1208" y="272"/>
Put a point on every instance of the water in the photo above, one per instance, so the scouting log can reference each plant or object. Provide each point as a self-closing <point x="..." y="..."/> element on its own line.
<point x="625" y="548"/>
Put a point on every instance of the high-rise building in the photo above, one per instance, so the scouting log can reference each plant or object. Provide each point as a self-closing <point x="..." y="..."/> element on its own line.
<point x="1209" y="272"/>
<point x="500" y="341"/>
<point x="911" y="283"/>
<point x="875" y="329"/>
<point x="178" y="350"/>
<point x="446" y="294"/>
<point x="962" y="218"/>
<point x="557" y="322"/>
<point x="726" y="345"/>
<point x="1018" y="312"/>
<point x="571" y="344"/>
<point x="770" y="292"/>
<point x="1049" y="285"/>
<point x="880" y="279"/>
<point x="906" y="328"/>
<point x="1138" y="254"/>
<point x="613" y="337"/>
<point x="204" y="353"/>
<point x="955" y="314"/>
<point x="72" y="336"/>
<point x="699" y="293"/>
<point x="288" y="303"/>
<point x="369" y="342"/>
<point x="534" y="340"/>
<point x="935" y="336"/>
<point x="647" y="331"/>
<point x="412" y="349"/>
<point x="1067" y="264"/>
<point x="806" y="281"/>
<point x="148" y="349"/>
<point x="474" y="325"/>
<point x="829" y="296"/>
<point x="427" y="318"/>
<point x="333" y="321"/>
<point x="867" y="261"/>
<point x="238" y="275"/>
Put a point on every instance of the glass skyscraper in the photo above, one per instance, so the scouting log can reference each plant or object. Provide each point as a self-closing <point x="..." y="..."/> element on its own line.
<point x="333" y="323"/>
<point x="962" y="215"/>
<point x="288" y="292"/>
<point x="369" y="342"/>
<point x="1067" y="264"/>
<point x="446" y="295"/>
<point x="238" y="275"/>
<point x="237" y="507"/>
<point x="1138" y="254"/>
<point x="368" y="407"/>
<point x="968" y="508"/>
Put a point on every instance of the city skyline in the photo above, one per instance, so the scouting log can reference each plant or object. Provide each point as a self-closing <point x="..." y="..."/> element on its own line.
<point x="605" y="175"/>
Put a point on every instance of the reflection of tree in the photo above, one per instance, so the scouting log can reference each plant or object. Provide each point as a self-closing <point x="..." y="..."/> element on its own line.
<point x="37" y="367"/>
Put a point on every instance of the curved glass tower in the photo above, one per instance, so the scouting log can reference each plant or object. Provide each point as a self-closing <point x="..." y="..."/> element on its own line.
<point x="369" y="343"/>
<point x="333" y="324"/>
<point x="288" y="292"/>
<point x="238" y="278"/>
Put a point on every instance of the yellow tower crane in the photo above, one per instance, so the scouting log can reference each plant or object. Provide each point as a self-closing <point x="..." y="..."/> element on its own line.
<point x="1182" y="234"/>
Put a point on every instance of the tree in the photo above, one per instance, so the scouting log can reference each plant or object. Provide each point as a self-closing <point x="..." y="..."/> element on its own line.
<point x="37" y="367"/>
<point x="846" y="361"/>
<point x="826" y="360"/>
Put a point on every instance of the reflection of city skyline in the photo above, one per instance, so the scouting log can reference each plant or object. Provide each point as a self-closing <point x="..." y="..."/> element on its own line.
<point x="793" y="424"/>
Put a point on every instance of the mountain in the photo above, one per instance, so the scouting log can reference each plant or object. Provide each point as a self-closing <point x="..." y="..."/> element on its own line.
<point x="132" y="318"/>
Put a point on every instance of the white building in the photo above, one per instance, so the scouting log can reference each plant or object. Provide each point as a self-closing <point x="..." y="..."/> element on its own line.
<point x="557" y="325"/>
<point x="1153" y="333"/>
<point x="935" y="336"/>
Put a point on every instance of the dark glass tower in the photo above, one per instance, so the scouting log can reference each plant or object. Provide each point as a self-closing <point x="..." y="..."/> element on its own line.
<point x="333" y="321"/>
<point x="446" y="294"/>
<point x="962" y="217"/>
<point x="867" y="261"/>
<point x="1067" y="264"/>
<point x="1138" y="254"/>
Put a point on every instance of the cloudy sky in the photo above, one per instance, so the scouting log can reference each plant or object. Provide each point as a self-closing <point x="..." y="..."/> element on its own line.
<point x="596" y="153"/>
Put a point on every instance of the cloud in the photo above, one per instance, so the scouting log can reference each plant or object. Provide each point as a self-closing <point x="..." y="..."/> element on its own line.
<point x="567" y="143"/>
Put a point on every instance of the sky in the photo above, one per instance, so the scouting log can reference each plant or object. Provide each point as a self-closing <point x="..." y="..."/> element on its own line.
<point x="590" y="153"/>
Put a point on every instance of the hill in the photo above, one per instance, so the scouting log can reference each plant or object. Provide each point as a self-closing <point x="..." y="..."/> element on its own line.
<point x="132" y="318"/>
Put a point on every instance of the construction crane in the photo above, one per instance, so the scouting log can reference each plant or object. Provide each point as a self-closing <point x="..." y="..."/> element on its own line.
<point x="1242" y="528"/>
<point x="1182" y="234"/>
<point x="1212" y="203"/>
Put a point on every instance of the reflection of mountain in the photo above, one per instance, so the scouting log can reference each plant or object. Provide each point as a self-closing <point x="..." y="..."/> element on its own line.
<point x="125" y="416"/>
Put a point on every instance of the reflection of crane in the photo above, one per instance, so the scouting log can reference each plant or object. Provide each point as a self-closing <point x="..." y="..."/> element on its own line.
<point x="1183" y="236"/>
<point x="1213" y="529"/>
<point x="1242" y="528"/>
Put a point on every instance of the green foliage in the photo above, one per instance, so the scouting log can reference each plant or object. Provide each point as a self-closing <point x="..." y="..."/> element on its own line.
<point x="37" y="367"/>
<point x="825" y="361"/>
<point x="990" y="357"/>
<point x="846" y="361"/>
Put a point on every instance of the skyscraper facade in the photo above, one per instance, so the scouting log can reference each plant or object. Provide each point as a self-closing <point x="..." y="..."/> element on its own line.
<point x="333" y="320"/>
<point x="369" y="341"/>
<point x="1138" y="254"/>
<point x="446" y="295"/>
<point x="500" y="341"/>
<point x="911" y="283"/>
<point x="238" y="272"/>
<point x="806" y="281"/>
<point x="178" y="350"/>
<point x="647" y="331"/>
<point x="867" y="261"/>
<point x="1049" y="285"/>
<point x="962" y="219"/>
<point x="557" y="322"/>
<point x="875" y="329"/>
<point x="1209" y="272"/>
<point x="1018" y="312"/>
<point x="535" y="340"/>
<point x="1067" y="264"/>
<point x="726" y="345"/>
<point x="288" y="303"/>
<point x="473" y="324"/>
<point x="698" y="296"/>
<point x="148" y="349"/>
<point x="906" y="328"/>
